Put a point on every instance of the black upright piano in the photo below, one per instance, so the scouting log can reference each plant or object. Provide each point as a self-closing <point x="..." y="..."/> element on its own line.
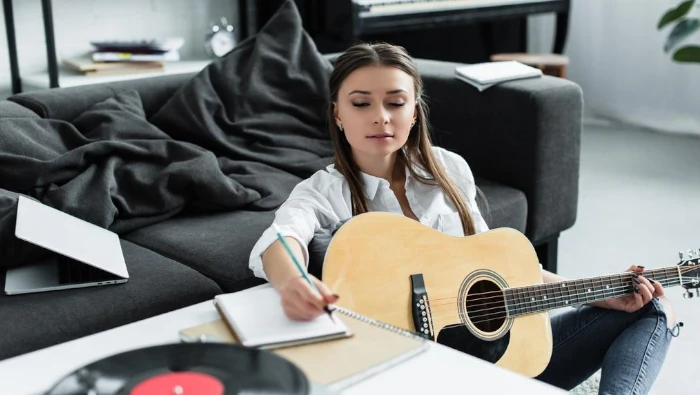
<point x="337" y="24"/>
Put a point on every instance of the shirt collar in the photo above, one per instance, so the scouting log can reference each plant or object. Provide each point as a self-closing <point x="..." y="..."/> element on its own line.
<point x="372" y="183"/>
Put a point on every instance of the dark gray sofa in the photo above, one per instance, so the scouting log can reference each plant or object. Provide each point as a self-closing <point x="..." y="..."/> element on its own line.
<point x="520" y="138"/>
<point x="189" y="170"/>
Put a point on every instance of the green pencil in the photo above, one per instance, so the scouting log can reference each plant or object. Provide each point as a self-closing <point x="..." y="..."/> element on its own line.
<point x="299" y="267"/>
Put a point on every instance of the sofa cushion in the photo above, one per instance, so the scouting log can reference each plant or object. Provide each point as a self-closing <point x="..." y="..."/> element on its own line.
<point x="156" y="285"/>
<point x="9" y="109"/>
<point x="501" y="205"/>
<point x="216" y="245"/>
<point x="266" y="101"/>
<point x="67" y="103"/>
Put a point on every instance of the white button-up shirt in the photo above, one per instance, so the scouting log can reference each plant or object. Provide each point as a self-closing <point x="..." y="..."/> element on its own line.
<point x="323" y="202"/>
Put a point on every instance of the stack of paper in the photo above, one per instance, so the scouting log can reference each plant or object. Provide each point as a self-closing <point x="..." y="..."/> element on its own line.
<point x="486" y="75"/>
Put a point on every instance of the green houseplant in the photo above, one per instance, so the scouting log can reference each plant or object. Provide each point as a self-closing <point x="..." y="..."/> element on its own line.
<point x="683" y="27"/>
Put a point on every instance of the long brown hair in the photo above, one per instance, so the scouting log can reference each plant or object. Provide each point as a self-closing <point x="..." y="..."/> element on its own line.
<point x="417" y="150"/>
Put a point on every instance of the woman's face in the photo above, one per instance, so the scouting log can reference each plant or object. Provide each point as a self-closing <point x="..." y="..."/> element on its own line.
<point x="376" y="108"/>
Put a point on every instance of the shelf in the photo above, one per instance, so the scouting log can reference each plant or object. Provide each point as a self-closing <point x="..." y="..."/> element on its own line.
<point x="68" y="78"/>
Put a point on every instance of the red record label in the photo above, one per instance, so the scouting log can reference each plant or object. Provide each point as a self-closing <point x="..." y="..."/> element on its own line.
<point x="184" y="383"/>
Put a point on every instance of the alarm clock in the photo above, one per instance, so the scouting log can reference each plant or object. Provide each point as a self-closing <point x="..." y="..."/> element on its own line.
<point x="220" y="40"/>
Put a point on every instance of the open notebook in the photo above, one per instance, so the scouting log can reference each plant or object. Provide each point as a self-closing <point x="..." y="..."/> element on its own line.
<point x="257" y="319"/>
<point x="373" y="347"/>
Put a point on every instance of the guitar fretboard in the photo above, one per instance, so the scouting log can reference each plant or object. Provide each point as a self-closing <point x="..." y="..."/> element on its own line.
<point x="543" y="297"/>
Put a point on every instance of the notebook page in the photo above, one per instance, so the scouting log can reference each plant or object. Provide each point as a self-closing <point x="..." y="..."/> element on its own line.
<point x="258" y="319"/>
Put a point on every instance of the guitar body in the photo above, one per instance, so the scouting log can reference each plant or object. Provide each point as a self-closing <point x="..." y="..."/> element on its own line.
<point x="371" y="259"/>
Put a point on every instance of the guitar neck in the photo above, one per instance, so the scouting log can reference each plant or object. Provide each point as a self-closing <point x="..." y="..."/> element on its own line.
<point x="548" y="296"/>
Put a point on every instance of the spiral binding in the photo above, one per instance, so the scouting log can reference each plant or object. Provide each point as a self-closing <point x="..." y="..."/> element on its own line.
<point x="377" y="323"/>
<point x="230" y="323"/>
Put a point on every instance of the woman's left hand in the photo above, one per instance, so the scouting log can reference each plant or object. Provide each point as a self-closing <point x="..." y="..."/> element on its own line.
<point x="644" y="291"/>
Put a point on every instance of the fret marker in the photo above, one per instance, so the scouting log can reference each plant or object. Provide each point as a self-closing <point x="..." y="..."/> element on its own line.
<point x="563" y="285"/>
<point x="588" y="290"/>
<point x="544" y="297"/>
<point x="533" y="299"/>
<point x="607" y="286"/>
<point x="567" y="302"/>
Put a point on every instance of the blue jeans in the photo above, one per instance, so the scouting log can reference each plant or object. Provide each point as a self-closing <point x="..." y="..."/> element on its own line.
<point x="629" y="348"/>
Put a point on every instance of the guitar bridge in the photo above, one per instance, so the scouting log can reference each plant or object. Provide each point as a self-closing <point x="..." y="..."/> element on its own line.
<point x="420" y="306"/>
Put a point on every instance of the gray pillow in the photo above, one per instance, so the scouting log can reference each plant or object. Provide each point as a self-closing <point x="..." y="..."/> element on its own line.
<point x="266" y="101"/>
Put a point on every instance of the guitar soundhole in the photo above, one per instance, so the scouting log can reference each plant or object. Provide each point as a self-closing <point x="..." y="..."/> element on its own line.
<point x="485" y="309"/>
<point x="485" y="306"/>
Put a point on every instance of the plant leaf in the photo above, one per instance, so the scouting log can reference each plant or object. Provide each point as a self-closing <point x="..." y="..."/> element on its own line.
<point x="683" y="29"/>
<point x="689" y="53"/>
<point x="675" y="13"/>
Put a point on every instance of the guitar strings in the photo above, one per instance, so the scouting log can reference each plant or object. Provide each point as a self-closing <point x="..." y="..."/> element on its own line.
<point x="499" y="295"/>
<point x="549" y="285"/>
<point x="550" y="300"/>
<point x="524" y="294"/>
<point x="552" y="286"/>
<point x="668" y="278"/>
<point x="528" y="303"/>
<point x="617" y="293"/>
<point x="479" y="317"/>
<point x="521" y="293"/>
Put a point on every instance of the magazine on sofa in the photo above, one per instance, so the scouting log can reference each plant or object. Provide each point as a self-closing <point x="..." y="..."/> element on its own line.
<point x="485" y="75"/>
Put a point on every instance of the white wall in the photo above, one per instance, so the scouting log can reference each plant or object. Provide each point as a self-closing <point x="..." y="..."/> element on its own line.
<point x="77" y="22"/>
<point x="617" y="57"/>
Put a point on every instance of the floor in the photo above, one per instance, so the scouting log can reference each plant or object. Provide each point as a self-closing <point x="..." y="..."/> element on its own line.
<point x="639" y="203"/>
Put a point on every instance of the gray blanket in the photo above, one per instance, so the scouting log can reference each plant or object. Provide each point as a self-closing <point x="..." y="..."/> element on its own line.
<point x="113" y="168"/>
<point x="238" y="135"/>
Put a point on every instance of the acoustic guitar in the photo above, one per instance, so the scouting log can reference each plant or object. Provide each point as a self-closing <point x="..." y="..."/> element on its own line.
<point x="406" y="274"/>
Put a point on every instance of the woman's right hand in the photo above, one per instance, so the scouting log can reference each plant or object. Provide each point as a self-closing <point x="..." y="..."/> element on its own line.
<point x="301" y="302"/>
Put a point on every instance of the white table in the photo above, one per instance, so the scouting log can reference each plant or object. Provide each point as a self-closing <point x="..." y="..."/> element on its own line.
<point x="438" y="370"/>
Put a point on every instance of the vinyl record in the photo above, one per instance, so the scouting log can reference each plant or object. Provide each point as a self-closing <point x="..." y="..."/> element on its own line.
<point x="186" y="369"/>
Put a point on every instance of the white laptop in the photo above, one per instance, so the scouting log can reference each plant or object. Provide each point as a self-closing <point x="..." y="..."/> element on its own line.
<point x="84" y="254"/>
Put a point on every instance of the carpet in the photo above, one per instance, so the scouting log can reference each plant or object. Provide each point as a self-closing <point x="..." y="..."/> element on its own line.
<point x="588" y="387"/>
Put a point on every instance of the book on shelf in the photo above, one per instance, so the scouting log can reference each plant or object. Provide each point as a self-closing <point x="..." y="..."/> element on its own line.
<point x="171" y="56"/>
<point x="86" y="66"/>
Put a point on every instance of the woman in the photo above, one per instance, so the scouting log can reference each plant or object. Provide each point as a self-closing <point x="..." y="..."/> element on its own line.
<point x="384" y="161"/>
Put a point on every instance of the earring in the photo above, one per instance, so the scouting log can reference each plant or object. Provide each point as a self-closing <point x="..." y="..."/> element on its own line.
<point x="413" y="123"/>
<point x="340" y="127"/>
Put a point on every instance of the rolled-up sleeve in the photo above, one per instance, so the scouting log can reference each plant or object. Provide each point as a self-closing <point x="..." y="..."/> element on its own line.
<point x="299" y="217"/>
